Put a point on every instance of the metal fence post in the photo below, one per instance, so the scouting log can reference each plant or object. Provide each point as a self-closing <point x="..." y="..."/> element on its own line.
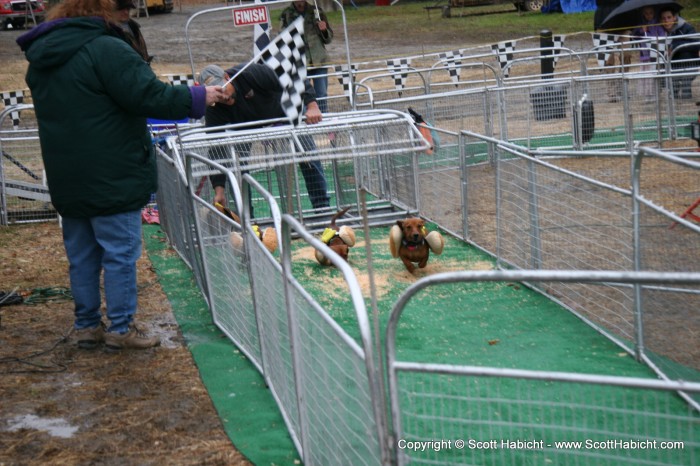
<point x="547" y="62"/>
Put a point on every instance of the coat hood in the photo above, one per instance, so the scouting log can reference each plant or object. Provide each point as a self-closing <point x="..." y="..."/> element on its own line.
<point x="679" y="23"/>
<point x="55" y="42"/>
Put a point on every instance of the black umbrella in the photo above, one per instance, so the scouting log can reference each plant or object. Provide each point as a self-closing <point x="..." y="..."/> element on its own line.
<point x="629" y="14"/>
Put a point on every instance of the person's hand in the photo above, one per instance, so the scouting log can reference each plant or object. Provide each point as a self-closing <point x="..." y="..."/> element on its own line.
<point x="322" y="26"/>
<point x="216" y="95"/>
<point x="313" y="113"/>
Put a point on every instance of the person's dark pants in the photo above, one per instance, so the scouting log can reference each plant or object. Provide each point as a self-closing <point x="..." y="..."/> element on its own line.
<point x="682" y="87"/>
<point x="314" y="176"/>
<point x="319" y="78"/>
<point x="315" y="183"/>
<point x="312" y="172"/>
<point x="221" y="155"/>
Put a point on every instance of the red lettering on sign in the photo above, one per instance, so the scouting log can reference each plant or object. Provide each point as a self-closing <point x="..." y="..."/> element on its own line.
<point x="248" y="16"/>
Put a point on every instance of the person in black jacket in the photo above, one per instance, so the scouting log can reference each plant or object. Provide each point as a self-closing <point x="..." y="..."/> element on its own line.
<point x="685" y="58"/>
<point x="256" y="95"/>
<point x="130" y="30"/>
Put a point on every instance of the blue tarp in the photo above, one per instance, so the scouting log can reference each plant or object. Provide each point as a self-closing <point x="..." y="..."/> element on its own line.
<point x="569" y="6"/>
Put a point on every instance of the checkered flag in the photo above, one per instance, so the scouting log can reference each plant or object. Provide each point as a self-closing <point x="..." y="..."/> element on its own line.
<point x="346" y="78"/>
<point x="504" y="53"/>
<point x="603" y="43"/>
<point x="399" y="69"/>
<point x="285" y="55"/>
<point x="453" y="61"/>
<point x="557" y="43"/>
<point x="177" y="79"/>
<point x="261" y="33"/>
<point x="11" y="98"/>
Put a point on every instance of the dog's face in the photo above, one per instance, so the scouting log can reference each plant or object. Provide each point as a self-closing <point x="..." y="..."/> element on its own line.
<point x="413" y="229"/>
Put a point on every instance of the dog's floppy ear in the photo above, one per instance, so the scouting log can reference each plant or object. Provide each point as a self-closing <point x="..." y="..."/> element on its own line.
<point x="395" y="238"/>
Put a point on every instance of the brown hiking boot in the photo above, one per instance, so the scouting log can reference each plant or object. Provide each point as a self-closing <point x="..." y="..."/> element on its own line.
<point x="89" y="338"/>
<point x="135" y="338"/>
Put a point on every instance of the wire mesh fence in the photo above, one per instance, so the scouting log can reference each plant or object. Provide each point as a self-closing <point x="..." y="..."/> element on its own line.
<point x="24" y="193"/>
<point x="460" y="415"/>
<point x="529" y="411"/>
<point x="277" y="156"/>
<point x="538" y="212"/>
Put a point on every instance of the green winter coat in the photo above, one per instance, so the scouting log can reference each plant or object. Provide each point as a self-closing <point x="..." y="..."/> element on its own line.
<point x="314" y="40"/>
<point x="92" y="94"/>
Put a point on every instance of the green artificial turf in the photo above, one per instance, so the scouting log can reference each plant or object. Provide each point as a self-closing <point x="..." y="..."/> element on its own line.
<point x="492" y="324"/>
<point x="246" y="407"/>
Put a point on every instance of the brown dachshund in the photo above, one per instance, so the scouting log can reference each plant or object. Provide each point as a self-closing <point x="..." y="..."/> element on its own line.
<point x="340" y="240"/>
<point x="410" y="241"/>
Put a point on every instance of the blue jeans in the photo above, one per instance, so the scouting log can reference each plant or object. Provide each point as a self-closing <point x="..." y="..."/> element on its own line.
<point x="312" y="172"/>
<point x="111" y="243"/>
<point x="319" y="77"/>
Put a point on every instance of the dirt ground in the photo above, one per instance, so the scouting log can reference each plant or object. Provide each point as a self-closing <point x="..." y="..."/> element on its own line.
<point x="116" y="401"/>
<point x="62" y="405"/>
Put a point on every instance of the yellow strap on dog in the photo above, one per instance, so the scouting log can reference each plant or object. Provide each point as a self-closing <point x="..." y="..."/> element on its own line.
<point x="424" y="230"/>
<point x="256" y="230"/>
<point x="328" y="235"/>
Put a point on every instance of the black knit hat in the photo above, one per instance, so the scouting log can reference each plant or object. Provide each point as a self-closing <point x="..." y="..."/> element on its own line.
<point x="125" y="4"/>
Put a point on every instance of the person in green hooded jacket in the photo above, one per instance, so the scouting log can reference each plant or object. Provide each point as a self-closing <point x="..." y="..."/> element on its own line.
<point x="92" y="94"/>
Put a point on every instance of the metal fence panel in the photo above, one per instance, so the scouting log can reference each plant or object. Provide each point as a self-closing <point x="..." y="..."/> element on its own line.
<point x="24" y="192"/>
<point x="521" y="414"/>
<point x="508" y="420"/>
<point x="548" y="218"/>
<point x="340" y="404"/>
<point x="176" y="214"/>
<point x="274" y="333"/>
<point x="365" y="150"/>
<point x="226" y="268"/>
<point x="339" y="416"/>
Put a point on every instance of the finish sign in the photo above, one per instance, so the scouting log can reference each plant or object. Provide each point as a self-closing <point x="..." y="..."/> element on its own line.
<point x="248" y="16"/>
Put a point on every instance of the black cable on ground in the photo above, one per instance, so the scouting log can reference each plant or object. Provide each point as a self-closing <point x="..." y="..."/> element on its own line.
<point x="48" y="294"/>
<point x="36" y="368"/>
<point x="8" y="298"/>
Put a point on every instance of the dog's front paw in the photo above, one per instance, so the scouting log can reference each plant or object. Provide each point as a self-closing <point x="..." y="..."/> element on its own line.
<point x="323" y="260"/>
<point x="409" y="265"/>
